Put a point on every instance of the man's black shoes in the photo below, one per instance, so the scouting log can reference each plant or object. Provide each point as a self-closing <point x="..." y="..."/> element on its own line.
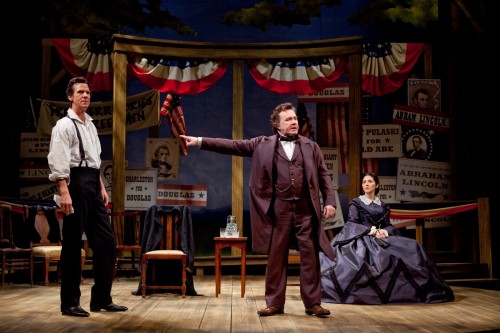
<point x="112" y="307"/>
<point x="75" y="311"/>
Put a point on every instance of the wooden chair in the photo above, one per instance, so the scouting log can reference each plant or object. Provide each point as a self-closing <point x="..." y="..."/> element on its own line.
<point x="13" y="257"/>
<point x="127" y="230"/>
<point x="169" y="251"/>
<point x="46" y="239"/>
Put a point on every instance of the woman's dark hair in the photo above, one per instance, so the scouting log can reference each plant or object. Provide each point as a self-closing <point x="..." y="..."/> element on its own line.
<point x="375" y="178"/>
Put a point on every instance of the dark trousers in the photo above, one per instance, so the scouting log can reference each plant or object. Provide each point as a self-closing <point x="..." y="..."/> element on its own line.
<point x="293" y="217"/>
<point x="91" y="217"/>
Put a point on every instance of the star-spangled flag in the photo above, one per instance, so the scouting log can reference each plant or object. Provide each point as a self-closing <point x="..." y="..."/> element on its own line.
<point x="172" y="110"/>
<point x="337" y="134"/>
<point x="305" y="127"/>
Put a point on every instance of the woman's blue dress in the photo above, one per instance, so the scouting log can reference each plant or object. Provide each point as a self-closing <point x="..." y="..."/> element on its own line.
<point x="368" y="270"/>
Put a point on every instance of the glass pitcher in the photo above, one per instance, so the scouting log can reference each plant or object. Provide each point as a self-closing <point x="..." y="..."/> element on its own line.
<point x="231" y="227"/>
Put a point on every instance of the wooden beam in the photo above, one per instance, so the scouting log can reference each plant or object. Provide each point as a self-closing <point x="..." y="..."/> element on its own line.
<point x="355" y="126"/>
<point x="119" y="130"/>
<point x="284" y="50"/>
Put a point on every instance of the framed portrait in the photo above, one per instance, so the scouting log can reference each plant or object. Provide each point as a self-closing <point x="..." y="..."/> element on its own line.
<point x="417" y="144"/>
<point x="425" y="94"/>
<point x="106" y="170"/>
<point x="163" y="155"/>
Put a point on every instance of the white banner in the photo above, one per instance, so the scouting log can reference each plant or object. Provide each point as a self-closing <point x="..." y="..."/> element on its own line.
<point x="143" y="111"/>
<point x="185" y="195"/>
<point x="338" y="93"/>
<point x="39" y="192"/>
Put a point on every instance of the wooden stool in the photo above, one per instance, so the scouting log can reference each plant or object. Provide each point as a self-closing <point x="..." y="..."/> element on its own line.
<point x="223" y="242"/>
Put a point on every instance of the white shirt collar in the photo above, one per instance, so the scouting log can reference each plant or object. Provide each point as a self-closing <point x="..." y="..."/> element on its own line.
<point x="367" y="201"/>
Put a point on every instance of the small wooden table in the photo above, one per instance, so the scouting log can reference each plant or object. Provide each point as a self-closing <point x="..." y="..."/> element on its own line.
<point x="223" y="242"/>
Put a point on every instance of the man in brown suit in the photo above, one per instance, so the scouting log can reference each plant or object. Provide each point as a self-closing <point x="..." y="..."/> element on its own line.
<point x="287" y="178"/>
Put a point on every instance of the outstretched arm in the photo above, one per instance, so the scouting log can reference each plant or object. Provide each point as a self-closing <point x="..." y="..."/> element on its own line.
<point x="190" y="140"/>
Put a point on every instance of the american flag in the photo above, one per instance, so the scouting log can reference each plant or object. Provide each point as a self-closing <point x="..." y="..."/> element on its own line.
<point x="337" y="120"/>
<point x="305" y="127"/>
<point x="172" y="110"/>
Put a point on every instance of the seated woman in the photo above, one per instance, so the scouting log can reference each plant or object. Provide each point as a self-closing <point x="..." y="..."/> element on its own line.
<point x="374" y="264"/>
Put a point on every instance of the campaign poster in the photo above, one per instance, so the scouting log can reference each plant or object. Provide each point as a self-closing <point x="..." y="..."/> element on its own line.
<point x="140" y="188"/>
<point x="163" y="155"/>
<point x="424" y="94"/>
<point x="423" y="181"/>
<point x="381" y="141"/>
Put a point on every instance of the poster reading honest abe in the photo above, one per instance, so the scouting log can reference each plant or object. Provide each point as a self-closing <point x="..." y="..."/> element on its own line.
<point x="163" y="155"/>
<point x="423" y="181"/>
<point x="425" y="94"/>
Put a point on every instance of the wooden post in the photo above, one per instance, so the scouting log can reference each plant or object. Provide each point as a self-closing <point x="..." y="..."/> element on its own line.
<point x="237" y="166"/>
<point x="483" y="212"/>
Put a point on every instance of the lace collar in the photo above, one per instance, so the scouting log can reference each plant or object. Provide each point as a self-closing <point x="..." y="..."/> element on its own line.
<point x="367" y="201"/>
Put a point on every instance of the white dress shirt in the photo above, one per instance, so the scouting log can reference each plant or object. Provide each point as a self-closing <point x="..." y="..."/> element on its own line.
<point x="65" y="146"/>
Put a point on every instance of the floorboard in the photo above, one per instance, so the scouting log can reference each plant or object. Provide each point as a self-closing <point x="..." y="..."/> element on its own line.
<point x="36" y="309"/>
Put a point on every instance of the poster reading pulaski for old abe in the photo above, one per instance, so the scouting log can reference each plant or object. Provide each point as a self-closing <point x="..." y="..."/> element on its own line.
<point x="163" y="155"/>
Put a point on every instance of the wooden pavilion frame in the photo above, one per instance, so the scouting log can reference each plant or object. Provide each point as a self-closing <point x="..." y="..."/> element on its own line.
<point x="236" y="52"/>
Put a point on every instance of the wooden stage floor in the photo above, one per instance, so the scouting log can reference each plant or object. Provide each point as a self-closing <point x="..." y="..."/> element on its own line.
<point x="36" y="309"/>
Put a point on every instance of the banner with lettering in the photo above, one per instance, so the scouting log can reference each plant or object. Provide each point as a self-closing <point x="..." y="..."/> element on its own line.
<point x="339" y="92"/>
<point x="423" y="181"/>
<point x="142" y="112"/>
<point x="186" y="195"/>
<point x="411" y="116"/>
<point x="39" y="192"/>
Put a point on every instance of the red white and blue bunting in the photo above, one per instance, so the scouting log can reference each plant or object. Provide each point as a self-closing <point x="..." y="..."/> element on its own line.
<point x="385" y="68"/>
<point x="179" y="76"/>
<point x="298" y="76"/>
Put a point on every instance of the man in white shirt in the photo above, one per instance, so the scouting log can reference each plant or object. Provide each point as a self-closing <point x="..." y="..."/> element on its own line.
<point x="74" y="161"/>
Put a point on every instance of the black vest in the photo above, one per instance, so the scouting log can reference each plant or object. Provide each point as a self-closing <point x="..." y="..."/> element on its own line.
<point x="288" y="174"/>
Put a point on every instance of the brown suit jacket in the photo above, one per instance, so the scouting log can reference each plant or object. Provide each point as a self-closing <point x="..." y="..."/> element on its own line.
<point x="261" y="149"/>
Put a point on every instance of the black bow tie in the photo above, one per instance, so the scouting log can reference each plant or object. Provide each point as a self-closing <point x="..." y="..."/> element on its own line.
<point x="288" y="138"/>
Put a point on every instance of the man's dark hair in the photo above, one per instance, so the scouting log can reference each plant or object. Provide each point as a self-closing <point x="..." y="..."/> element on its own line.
<point x="275" y="116"/>
<point x="73" y="81"/>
